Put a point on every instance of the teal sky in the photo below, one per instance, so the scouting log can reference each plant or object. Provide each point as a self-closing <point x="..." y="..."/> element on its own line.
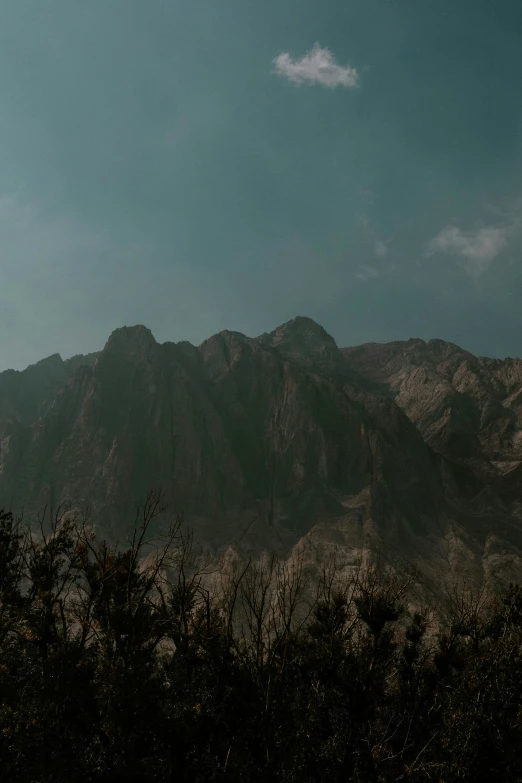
<point x="197" y="165"/>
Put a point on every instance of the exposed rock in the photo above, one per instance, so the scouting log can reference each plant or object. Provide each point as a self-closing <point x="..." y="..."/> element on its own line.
<point x="466" y="407"/>
<point x="80" y="360"/>
<point x="280" y="440"/>
<point x="303" y="341"/>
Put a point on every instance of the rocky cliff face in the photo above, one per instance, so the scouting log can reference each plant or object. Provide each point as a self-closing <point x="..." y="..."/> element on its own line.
<point x="278" y="441"/>
<point x="466" y="407"/>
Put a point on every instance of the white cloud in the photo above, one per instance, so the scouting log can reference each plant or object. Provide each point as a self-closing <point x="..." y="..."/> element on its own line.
<point x="318" y="66"/>
<point x="476" y="249"/>
<point x="380" y="248"/>
<point x="366" y="195"/>
<point x="363" y="221"/>
<point x="365" y="273"/>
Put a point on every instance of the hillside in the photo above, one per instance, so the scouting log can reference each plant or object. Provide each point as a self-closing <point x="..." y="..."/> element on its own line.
<point x="281" y="440"/>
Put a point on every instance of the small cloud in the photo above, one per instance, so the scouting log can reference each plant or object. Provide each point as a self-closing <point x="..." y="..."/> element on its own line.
<point x="380" y="246"/>
<point x="380" y="249"/>
<point x="318" y="66"/>
<point x="365" y="273"/>
<point x="363" y="221"/>
<point x="366" y="195"/>
<point x="477" y="249"/>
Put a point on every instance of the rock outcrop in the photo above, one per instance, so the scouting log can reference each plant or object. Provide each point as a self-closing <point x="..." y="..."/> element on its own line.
<point x="281" y="440"/>
<point x="466" y="407"/>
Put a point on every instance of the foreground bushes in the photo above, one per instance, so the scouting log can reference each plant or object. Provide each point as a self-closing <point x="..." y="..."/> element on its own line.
<point x="123" y="666"/>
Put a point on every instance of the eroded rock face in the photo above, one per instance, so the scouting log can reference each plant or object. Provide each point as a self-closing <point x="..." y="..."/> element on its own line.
<point x="303" y="341"/>
<point x="464" y="406"/>
<point x="278" y="441"/>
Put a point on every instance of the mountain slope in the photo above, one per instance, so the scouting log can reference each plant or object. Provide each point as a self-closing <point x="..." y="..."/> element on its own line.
<point x="279" y="440"/>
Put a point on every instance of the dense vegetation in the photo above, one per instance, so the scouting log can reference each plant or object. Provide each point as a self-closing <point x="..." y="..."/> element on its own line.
<point x="120" y="665"/>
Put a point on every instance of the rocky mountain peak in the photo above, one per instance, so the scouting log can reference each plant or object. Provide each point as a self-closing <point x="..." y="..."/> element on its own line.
<point x="304" y="341"/>
<point x="81" y="360"/>
<point x="441" y="349"/>
<point x="54" y="360"/>
<point x="24" y="393"/>
<point x="132" y="341"/>
<point x="270" y="441"/>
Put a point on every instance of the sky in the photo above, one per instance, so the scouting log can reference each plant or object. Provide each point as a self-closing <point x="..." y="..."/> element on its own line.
<point x="199" y="165"/>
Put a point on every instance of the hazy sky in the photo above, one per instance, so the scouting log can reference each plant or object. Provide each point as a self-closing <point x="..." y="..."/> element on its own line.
<point x="197" y="165"/>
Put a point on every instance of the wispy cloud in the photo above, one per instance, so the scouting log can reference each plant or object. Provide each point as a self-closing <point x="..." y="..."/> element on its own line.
<point x="363" y="221"/>
<point x="381" y="249"/>
<point x="317" y="66"/>
<point x="380" y="246"/>
<point x="366" y="195"/>
<point x="476" y="249"/>
<point x="365" y="273"/>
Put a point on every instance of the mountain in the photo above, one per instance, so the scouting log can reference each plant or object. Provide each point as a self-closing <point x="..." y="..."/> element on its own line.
<point x="279" y="441"/>
<point x="466" y="407"/>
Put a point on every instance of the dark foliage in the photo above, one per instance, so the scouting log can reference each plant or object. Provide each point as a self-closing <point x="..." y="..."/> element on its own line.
<point x="144" y="664"/>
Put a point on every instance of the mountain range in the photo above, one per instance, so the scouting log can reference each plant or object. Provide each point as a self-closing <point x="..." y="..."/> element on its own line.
<point x="281" y="442"/>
